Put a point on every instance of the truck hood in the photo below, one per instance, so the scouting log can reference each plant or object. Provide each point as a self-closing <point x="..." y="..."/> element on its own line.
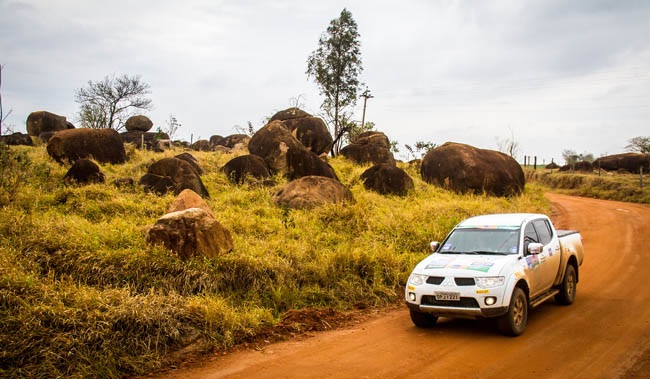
<point x="459" y="265"/>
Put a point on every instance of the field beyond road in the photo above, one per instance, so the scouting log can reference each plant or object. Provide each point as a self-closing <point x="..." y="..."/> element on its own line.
<point x="604" y="334"/>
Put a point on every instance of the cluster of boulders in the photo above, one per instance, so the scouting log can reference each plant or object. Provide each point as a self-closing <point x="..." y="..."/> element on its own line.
<point x="369" y="147"/>
<point x="17" y="139"/>
<point x="293" y="144"/>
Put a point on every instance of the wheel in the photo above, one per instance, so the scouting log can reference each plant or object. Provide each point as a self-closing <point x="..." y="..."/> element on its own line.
<point x="568" y="287"/>
<point x="423" y="320"/>
<point x="513" y="323"/>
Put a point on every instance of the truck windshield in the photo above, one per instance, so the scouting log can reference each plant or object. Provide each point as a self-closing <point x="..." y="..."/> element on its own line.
<point x="482" y="241"/>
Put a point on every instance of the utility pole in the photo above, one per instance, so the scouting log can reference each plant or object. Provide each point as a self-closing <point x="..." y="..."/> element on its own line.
<point x="366" y="95"/>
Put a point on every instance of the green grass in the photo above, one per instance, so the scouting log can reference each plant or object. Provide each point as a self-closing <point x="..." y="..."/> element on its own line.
<point x="83" y="294"/>
<point x="607" y="185"/>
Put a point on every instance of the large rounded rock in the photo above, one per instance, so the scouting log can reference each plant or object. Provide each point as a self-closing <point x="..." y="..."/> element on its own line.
<point x="17" y="139"/>
<point x="285" y="154"/>
<point x="289" y="114"/>
<point x="103" y="145"/>
<point x="578" y="166"/>
<point x="189" y="158"/>
<point x="189" y="199"/>
<point x="373" y="138"/>
<point x="303" y="162"/>
<point x="202" y="145"/>
<point x="237" y="169"/>
<point x="312" y="191"/>
<point x="214" y="140"/>
<point x="84" y="171"/>
<point x="233" y="140"/>
<point x="272" y="143"/>
<point x="631" y="162"/>
<point x="387" y="179"/>
<point x="311" y="132"/>
<point x="173" y="174"/>
<point x="191" y="232"/>
<point x="138" y="123"/>
<point x="42" y="121"/>
<point x="368" y="153"/>
<point x="463" y="168"/>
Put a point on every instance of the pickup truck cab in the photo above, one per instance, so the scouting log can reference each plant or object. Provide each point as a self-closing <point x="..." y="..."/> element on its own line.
<point x="496" y="266"/>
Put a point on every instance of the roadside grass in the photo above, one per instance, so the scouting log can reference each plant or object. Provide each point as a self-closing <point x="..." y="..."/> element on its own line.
<point x="83" y="294"/>
<point x="607" y="185"/>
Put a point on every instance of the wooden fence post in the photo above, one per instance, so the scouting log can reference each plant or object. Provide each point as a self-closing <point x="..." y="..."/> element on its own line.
<point x="535" y="164"/>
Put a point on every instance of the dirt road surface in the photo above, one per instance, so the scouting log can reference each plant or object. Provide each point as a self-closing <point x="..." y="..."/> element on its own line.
<point x="605" y="333"/>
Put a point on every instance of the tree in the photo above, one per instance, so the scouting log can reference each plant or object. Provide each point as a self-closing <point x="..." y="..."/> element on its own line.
<point x="3" y="117"/>
<point x="110" y="102"/>
<point x="172" y="126"/>
<point x="421" y="148"/>
<point x="639" y="145"/>
<point x="356" y="129"/>
<point x="509" y="145"/>
<point x="571" y="157"/>
<point x="335" y="66"/>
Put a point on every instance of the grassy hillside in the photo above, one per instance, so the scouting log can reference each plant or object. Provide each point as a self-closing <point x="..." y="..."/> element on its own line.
<point x="83" y="294"/>
<point x="608" y="186"/>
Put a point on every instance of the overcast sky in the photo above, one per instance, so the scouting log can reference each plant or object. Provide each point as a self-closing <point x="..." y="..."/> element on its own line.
<point x="558" y="74"/>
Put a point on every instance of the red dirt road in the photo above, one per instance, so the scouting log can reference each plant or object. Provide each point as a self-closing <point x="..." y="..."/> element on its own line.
<point x="605" y="333"/>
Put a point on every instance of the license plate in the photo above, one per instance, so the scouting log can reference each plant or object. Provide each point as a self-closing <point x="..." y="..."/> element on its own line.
<point x="454" y="296"/>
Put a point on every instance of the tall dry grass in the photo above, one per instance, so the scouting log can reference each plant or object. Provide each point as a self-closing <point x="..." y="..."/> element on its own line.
<point x="83" y="294"/>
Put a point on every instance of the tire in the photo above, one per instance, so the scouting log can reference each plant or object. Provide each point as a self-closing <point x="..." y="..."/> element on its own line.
<point x="568" y="287"/>
<point x="423" y="320"/>
<point x="513" y="323"/>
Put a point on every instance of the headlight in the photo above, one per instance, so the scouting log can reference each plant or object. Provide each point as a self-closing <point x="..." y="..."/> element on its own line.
<point x="490" y="281"/>
<point x="417" y="280"/>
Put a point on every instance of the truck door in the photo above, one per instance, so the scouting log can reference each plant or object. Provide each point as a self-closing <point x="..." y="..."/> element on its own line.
<point x="532" y="263"/>
<point x="550" y="256"/>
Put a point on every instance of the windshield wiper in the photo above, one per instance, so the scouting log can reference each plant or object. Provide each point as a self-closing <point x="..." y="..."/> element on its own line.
<point x="481" y="252"/>
<point x="451" y="252"/>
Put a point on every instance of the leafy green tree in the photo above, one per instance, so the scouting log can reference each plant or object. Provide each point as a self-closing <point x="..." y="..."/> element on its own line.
<point x="335" y="66"/>
<point x="110" y="102"/>
<point x="355" y="129"/>
<point x="639" y="145"/>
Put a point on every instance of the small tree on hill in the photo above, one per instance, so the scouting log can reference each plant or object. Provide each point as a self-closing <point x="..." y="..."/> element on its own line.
<point x="110" y="102"/>
<point x="335" y="66"/>
<point x="639" y="145"/>
<point x="172" y="126"/>
<point x="509" y="146"/>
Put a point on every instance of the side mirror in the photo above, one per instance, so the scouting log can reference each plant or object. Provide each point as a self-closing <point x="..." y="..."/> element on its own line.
<point x="434" y="245"/>
<point x="535" y="248"/>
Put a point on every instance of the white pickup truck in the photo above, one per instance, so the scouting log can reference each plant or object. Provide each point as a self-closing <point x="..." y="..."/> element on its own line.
<point x="495" y="266"/>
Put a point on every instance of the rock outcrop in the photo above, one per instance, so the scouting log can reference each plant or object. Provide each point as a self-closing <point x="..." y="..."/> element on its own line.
<point x="189" y="199"/>
<point x="191" y="232"/>
<point x="239" y="168"/>
<point x="463" y="168"/>
<point x="387" y="179"/>
<point x="630" y="162"/>
<point x="103" y="145"/>
<point x="285" y="154"/>
<point x="578" y="166"/>
<point x="42" y="121"/>
<point x="309" y="130"/>
<point x="232" y="141"/>
<point x="84" y="171"/>
<point x="202" y="145"/>
<point x="138" y="123"/>
<point x="173" y="174"/>
<point x="17" y="139"/>
<point x="312" y="191"/>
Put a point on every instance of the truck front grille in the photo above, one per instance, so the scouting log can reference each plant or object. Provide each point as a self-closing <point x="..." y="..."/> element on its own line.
<point x="465" y="302"/>
<point x="464" y="281"/>
<point x="435" y="279"/>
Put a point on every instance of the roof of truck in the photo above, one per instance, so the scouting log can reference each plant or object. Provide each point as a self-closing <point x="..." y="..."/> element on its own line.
<point x="499" y="220"/>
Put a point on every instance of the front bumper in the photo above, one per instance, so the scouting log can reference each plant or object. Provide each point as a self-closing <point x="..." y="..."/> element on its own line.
<point x="471" y="305"/>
